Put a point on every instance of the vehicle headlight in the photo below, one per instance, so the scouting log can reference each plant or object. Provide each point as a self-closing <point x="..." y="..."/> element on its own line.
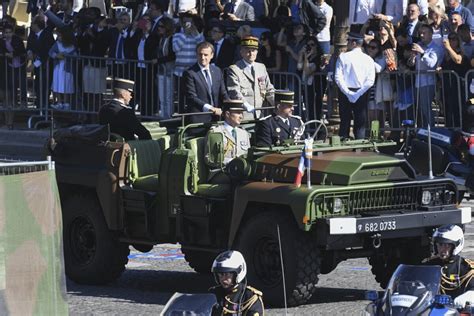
<point x="426" y="197"/>
<point x="337" y="205"/>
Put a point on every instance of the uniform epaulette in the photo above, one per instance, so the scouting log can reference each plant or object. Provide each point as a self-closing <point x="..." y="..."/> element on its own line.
<point x="470" y="263"/>
<point x="264" y="118"/>
<point x="254" y="290"/>
<point x="426" y="260"/>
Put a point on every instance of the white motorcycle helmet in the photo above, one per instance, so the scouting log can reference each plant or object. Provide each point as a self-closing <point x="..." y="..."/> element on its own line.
<point x="230" y="261"/>
<point x="449" y="234"/>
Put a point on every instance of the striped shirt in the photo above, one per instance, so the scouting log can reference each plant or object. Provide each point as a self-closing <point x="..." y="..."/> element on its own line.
<point x="184" y="47"/>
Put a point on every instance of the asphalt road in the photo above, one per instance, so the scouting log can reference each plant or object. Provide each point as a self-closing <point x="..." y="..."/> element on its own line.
<point x="151" y="279"/>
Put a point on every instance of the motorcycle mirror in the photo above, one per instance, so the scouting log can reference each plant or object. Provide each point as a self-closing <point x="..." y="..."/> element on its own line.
<point x="371" y="295"/>
<point x="408" y="123"/>
<point x="443" y="299"/>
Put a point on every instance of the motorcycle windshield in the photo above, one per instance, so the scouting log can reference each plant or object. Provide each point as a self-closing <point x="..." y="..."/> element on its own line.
<point x="189" y="304"/>
<point x="411" y="290"/>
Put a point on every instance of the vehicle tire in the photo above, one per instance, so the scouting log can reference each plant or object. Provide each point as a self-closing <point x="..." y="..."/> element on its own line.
<point x="258" y="242"/>
<point x="92" y="253"/>
<point x="383" y="266"/>
<point x="200" y="261"/>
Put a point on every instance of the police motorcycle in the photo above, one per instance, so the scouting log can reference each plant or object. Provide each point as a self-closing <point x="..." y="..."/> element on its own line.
<point x="452" y="153"/>
<point x="413" y="290"/>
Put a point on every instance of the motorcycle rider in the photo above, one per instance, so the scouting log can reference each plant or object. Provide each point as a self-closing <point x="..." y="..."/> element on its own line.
<point x="234" y="296"/>
<point x="457" y="272"/>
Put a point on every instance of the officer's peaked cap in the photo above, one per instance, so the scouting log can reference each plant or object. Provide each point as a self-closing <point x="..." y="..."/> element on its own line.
<point x="284" y="97"/>
<point x="233" y="105"/>
<point x="124" y="84"/>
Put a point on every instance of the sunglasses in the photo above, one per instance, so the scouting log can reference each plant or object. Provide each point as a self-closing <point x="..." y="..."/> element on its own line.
<point x="373" y="47"/>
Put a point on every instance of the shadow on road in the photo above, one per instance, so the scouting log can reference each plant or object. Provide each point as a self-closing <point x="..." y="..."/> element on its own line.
<point x="156" y="287"/>
<point x="146" y="286"/>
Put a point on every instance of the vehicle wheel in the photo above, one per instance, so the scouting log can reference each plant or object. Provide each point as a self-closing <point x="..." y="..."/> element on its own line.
<point x="200" y="261"/>
<point x="258" y="242"/>
<point x="92" y="253"/>
<point x="383" y="266"/>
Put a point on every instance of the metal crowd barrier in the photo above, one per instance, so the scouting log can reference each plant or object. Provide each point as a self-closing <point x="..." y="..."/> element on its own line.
<point x="12" y="167"/>
<point x="81" y="84"/>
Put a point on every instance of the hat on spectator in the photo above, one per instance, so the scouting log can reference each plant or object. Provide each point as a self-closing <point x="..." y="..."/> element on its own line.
<point x="124" y="84"/>
<point x="352" y="36"/>
<point x="249" y="41"/>
<point x="233" y="105"/>
<point x="284" y="97"/>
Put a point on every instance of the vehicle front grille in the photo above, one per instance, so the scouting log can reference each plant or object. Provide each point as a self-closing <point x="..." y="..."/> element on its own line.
<point x="372" y="202"/>
<point x="401" y="198"/>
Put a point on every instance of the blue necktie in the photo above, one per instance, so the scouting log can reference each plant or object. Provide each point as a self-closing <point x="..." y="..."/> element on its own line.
<point x="120" y="47"/>
<point x="209" y="84"/>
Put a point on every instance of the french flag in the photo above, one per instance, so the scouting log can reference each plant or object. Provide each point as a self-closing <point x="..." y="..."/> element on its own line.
<point x="305" y="162"/>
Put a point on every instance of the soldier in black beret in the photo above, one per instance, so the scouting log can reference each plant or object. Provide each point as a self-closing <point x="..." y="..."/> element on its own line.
<point x="120" y="116"/>
<point x="274" y="129"/>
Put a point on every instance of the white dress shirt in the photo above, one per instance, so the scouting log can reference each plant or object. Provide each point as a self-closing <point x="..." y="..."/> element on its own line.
<point x="354" y="70"/>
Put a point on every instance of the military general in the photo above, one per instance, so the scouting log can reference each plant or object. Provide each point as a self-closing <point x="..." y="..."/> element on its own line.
<point x="282" y="125"/>
<point x="248" y="80"/>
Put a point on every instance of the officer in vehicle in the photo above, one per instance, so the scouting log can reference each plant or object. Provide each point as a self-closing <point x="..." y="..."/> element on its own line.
<point x="274" y="129"/>
<point x="236" y="139"/>
<point x="457" y="272"/>
<point x="234" y="296"/>
<point x="120" y="116"/>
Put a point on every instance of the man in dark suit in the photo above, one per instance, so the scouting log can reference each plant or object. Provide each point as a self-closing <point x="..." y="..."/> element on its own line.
<point x="412" y="23"/>
<point x="274" y="129"/>
<point x="38" y="45"/>
<point x="204" y="83"/>
<point x="223" y="47"/>
<point x="119" y="116"/>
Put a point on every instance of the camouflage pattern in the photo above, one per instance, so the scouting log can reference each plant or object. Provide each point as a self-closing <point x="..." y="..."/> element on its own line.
<point x="32" y="279"/>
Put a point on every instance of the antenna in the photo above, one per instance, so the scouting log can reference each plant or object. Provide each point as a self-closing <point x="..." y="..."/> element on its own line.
<point x="430" y="157"/>
<point x="282" y="270"/>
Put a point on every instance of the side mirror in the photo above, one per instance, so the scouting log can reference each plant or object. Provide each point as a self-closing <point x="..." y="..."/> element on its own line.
<point x="214" y="156"/>
<point x="371" y="295"/>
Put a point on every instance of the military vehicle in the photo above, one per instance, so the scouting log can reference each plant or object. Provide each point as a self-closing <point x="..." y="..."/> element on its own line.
<point x="361" y="204"/>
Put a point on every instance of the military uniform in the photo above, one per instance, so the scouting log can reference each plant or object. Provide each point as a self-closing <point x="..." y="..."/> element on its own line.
<point x="233" y="146"/>
<point x="122" y="121"/>
<point x="272" y="130"/>
<point x="457" y="275"/>
<point x="275" y="129"/>
<point x="250" y="82"/>
<point x="120" y="117"/>
<point x="241" y="300"/>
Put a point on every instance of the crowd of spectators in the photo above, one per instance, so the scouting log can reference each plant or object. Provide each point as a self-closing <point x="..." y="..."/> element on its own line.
<point x="296" y="37"/>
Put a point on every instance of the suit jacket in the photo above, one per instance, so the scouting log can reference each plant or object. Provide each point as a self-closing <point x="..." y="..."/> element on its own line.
<point x="122" y="121"/>
<point x="151" y="45"/>
<point x="272" y="131"/>
<point x="113" y="36"/>
<point x="40" y="46"/>
<point x="244" y="11"/>
<point x="241" y="84"/>
<point x="197" y="92"/>
<point x="225" y="58"/>
<point x="233" y="147"/>
<point x="415" y="36"/>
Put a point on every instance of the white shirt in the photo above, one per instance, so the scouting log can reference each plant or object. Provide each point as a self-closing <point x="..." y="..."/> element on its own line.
<point x="324" y="35"/>
<point x="361" y="10"/>
<point x="186" y="5"/>
<point x="229" y="128"/>
<point x="355" y="70"/>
